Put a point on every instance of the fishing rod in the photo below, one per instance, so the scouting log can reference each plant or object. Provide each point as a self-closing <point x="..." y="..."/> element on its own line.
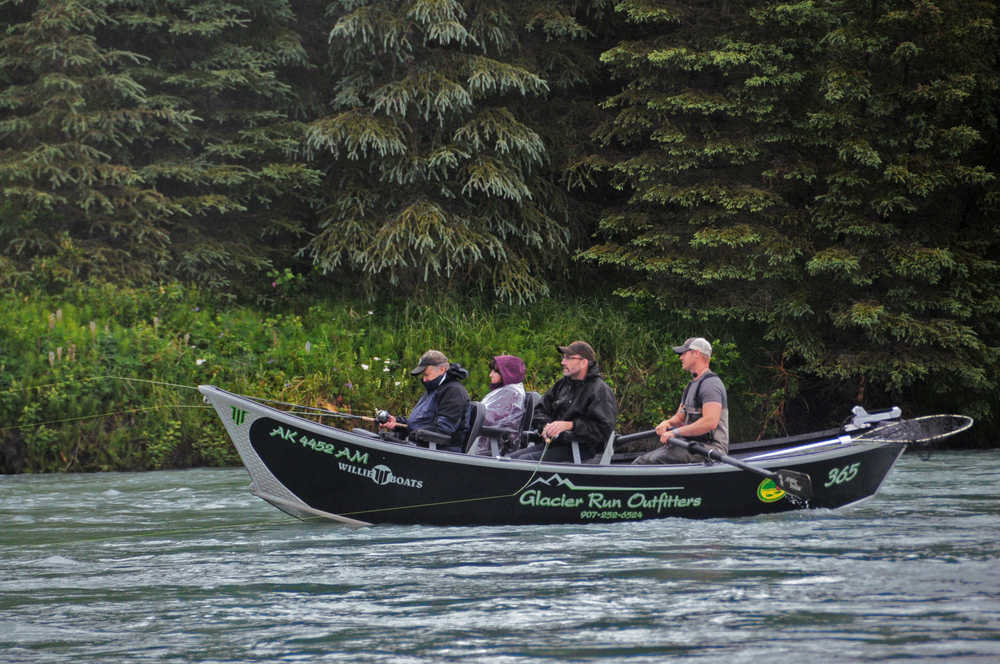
<point x="329" y="410"/>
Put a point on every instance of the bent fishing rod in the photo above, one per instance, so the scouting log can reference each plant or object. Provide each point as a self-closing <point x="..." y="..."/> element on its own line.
<point x="381" y="416"/>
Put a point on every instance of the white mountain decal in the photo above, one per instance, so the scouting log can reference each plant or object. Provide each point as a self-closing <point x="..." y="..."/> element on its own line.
<point x="556" y="480"/>
<point x="553" y="480"/>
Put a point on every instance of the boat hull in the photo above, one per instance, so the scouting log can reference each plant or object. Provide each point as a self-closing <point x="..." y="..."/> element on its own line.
<point x="311" y="470"/>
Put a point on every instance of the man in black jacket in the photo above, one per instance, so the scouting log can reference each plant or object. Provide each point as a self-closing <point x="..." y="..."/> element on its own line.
<point x="580" y="407"/>
<point x="442" y="408"/>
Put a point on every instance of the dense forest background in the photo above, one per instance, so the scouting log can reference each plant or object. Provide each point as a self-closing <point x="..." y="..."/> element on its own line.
<point x="813" y="183"/>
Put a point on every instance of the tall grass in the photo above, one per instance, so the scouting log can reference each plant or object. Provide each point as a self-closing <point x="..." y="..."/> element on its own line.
<point x="103" y="378"/>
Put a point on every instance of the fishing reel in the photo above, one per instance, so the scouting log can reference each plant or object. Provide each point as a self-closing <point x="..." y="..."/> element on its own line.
<point x="382" y="416"/>
<point x="532" y="437"/>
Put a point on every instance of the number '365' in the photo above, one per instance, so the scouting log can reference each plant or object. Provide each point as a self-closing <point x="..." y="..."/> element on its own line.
<point x="841" y="475"/>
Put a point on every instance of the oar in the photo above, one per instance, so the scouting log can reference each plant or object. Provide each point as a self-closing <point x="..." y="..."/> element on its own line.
<point x="639" y="435"/>
<point x="791" y="481"/>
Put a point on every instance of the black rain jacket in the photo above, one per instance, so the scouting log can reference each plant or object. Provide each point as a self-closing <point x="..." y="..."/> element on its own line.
<point x="589" y="404"/>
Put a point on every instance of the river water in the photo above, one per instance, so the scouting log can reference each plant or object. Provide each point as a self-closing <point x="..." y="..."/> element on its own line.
<point x="187" y="566"/>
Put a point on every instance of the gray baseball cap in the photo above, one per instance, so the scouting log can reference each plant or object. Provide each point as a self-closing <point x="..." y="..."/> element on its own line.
<point x="431" y="358"/>
<point x="699" y="344"/>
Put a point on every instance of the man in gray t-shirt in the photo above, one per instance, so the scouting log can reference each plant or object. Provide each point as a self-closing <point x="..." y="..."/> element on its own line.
<point x="703" y="415"/>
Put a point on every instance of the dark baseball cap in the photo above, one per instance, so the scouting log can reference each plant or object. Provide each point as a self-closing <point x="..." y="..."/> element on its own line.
<point x="431" y="358"/>
<point x="581" y="348"/>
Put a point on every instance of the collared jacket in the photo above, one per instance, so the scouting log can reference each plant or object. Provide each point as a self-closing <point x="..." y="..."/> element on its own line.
<point x="443" y="407"/>
<point x="589" y="404"/>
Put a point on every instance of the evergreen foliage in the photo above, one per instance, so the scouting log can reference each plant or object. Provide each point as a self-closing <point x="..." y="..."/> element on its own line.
<point x="149" y="139"/>
<point x="817" y="171"/>
<point x="71" y="116"/>
<point x="906" y="215"/>
<point x="434" y="172"/>
<point x="236" y="172"/>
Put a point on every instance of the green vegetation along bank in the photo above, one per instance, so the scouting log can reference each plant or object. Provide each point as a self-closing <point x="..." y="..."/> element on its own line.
<point x="103" y="378"/>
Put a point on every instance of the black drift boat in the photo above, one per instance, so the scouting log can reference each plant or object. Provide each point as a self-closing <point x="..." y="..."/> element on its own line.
<point x="310" y="470"/>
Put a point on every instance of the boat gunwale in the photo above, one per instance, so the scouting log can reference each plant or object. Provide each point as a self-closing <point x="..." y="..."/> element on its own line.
<point x="793" y="456"/>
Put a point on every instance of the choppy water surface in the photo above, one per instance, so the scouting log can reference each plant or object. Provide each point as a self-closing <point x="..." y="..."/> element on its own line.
<point x="188" y="567"/>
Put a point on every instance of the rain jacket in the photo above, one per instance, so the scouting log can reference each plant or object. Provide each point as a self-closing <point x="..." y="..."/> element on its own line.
<point x="589" y="404"/>
<point x="443" y="407"/>
<point x="503" y="406"/>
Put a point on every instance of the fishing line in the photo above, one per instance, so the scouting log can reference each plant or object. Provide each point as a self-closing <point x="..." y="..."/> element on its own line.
<point x="108" y="414"/>
<point x="92" y="378"/>
<point x="114" y="412"/>
<point x="308" y="410"/>
<point x="313" y="411"/>
<point x="527" y="482"/>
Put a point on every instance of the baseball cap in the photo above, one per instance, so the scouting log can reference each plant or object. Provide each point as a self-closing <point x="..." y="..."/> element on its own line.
<point x="581" y="348"/>
<point x="699" y="344"/>
<point x="431" y="358"/>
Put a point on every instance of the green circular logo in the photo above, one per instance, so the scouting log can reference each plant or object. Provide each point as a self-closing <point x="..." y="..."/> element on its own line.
<point x="768" y="491"/>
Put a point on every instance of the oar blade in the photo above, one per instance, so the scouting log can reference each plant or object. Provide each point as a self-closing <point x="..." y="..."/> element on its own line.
<point x="794" y="482"/>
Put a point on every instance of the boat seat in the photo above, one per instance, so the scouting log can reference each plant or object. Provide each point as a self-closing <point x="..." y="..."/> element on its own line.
<point x="521" y="434"/>
<point x="609" y="449"/>
<point x="473" y="422"/>
<point x="614" y="455"/>
<point x="431" y="438"/>
<point x="531" y="401"/>
<point x="575" y="448"/>
<point x="603" y="460"/>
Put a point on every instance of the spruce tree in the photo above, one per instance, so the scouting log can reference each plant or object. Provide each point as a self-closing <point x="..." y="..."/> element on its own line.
<point x="824" y="172"/>
<point x="710" y="170"/>
<point x="70" y="115"/>
<point x="157" y="140"/>
<point x="238" y="172"/>
<point x="906" y="232"/>
<point x="434" y="173"/>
